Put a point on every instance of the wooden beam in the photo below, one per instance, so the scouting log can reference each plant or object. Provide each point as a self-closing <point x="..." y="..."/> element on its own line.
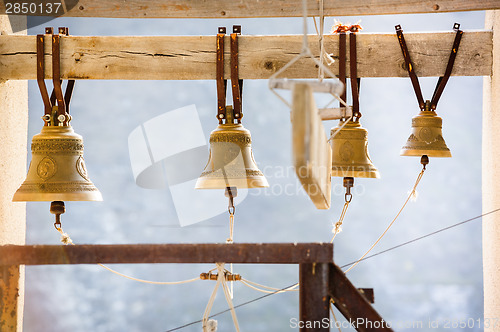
<point x="193" y="57"/>
<point x="251" y="8"/>
<point x="264" y="253"/>
<point x="355" y="307"/>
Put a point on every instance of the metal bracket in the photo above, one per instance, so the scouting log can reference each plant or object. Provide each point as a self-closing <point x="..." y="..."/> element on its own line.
<point x="221" y="82"/>
<point x="40" y="75"/>
<point x="236" y="83"/>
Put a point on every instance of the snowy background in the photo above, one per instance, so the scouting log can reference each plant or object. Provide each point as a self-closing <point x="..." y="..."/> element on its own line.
<point x="437" y="278"/>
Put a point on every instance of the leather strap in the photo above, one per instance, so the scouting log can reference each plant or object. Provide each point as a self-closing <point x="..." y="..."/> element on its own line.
<point x="236" y="83"/>
<point x="342" y="63"/>
<point x="409" y="67"/>
<point x="444" y="79"/>
<point x="221" y="82"/>
<point x="355" y="82"/>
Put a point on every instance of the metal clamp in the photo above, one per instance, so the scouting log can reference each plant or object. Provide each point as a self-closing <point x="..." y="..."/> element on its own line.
<point x="221" y="82"/>
<point x="236" y="82"/>
<point x="56" y="96"/>
<point x="40" y="73"/>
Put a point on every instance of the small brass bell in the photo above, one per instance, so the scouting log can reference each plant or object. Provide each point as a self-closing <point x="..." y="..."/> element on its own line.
<point x="57" y="171"/>
<point x="231" y="162"/>
<point x="426" y="136"/>
<point x="350" y="156"/>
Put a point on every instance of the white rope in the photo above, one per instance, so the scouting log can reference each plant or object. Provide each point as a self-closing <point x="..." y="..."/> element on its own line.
<point x="412" y="193"/>
<point x="271" y="288"/>
<point x="221" y="281"/>
<point x="334" y="317"/>
<point x="275" y="291"/>
<point x="305" y="52"/>
<point x="67" y="241"/>
<point x="337" y="227"/>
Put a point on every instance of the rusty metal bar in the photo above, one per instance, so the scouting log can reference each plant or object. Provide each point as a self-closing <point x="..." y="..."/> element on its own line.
<point x="313" y="297"/>
<point x="352" y="304"/>
<point x="266" y="253"/>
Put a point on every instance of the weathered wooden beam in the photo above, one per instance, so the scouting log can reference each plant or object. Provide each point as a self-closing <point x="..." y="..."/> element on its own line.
<point x="313" y="297"/>
<point x="265" y="253"/>
<point x="353" y="304"/>
<point x="193" y="57"/>
<point x="9" y="298"/>
<point x="249" y="8"/>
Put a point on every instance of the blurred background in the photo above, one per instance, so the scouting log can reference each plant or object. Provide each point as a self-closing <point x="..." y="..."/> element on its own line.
<point x="438" y="278"/>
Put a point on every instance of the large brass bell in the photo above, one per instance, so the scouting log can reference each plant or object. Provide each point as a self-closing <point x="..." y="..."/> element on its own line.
<point x="57" y="171"/>
<point x="231" y="162"/>
<point x="350" y="156"/>
<point x="426" y="136"/>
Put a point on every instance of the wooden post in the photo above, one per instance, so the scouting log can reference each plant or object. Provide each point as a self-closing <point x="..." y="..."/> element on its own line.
<point x="491" y="179"/>
<point x="13" y="141"/>
<point x="314" y="300"/>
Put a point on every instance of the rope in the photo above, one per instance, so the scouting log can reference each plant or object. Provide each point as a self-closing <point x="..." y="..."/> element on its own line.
<point x="231" y="228"/>
<point x="334" y="317"/>
<point x="221" y="281"/>
<point x="412" y="194"/>
<point x="345" y="265"/>
<point x="273" y="291"/>
<point x="65" y="239"/>
<point x="338" y="225"/>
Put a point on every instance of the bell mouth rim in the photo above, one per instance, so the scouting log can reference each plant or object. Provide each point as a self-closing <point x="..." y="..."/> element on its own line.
<point x="429" y="153"/>
<point x="238" y="183"/>
<point x="65" y="197"/>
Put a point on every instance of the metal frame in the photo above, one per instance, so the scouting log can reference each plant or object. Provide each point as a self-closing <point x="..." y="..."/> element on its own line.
<point x="320" y="279"/>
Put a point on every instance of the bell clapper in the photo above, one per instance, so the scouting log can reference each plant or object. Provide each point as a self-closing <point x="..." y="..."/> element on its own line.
<point x="424" y="160"/>
<point x="58" y="208"/>
<point x="348" y="184"/>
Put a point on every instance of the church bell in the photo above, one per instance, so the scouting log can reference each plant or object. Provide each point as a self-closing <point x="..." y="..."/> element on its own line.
<point x="426" y="136"/>
<point x="231" y="162"/>
<point x="57" y="170"/>
<point x="350" y="156"/>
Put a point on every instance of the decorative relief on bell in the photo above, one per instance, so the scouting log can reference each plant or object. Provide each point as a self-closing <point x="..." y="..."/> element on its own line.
<point x="57" y="171"/>
<point x="350" y="157"/>
<point x="46" y="169"/>
<point x="426" y="137"/>
<point x="346" y="152"/>
<point x="81" y="169"/>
